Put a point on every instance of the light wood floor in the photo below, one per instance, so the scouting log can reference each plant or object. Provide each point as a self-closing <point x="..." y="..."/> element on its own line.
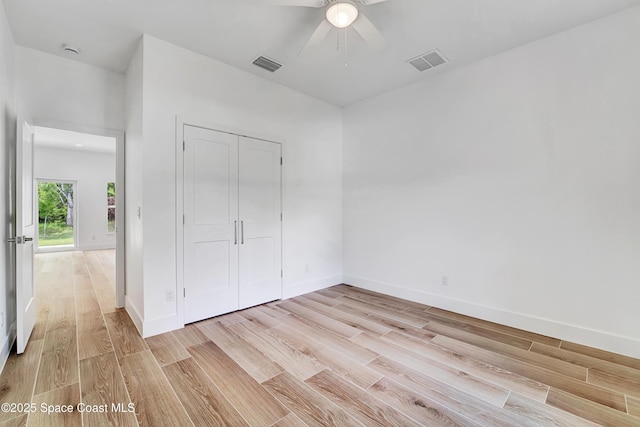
<point x="340" y="356"/>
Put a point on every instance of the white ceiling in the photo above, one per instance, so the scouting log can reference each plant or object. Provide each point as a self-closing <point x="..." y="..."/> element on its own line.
<point x="237" y="31"/>
<point x="68" y="140"/>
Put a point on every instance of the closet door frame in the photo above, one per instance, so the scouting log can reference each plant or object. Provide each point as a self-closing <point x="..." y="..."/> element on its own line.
<point x="181" y="122"/>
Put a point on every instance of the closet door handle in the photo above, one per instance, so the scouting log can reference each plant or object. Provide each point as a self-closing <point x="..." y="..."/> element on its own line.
<point x="235" y="232"/>
<point x="242" y="232"/>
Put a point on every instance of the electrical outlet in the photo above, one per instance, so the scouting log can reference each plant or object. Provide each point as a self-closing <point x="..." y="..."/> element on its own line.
<point x="444" y="281"/>
<point x="171" y="296"/>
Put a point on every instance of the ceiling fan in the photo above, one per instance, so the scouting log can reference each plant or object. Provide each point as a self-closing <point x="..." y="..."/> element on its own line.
<point x="339" y="14"/>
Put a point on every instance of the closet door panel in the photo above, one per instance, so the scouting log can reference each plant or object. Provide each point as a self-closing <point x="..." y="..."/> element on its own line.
<point x="210" y="223"/>
<point x="260" y="217"/>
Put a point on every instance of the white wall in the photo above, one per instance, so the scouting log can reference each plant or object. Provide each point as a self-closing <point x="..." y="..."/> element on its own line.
<point x="203" y="91"/>
<point x="517" y="177"/>
<point x="91" y="171"/>
<point x="57" y="89"/>
<point x="133" y="194"/>
<point x="7" y="165"/>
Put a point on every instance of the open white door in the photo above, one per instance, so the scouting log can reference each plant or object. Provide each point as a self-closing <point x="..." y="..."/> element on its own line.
<point x="25" y="230"/>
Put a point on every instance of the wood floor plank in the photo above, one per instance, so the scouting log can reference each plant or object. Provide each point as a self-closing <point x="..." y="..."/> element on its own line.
<point x="601" y="354"/>
<point x="348" y="319"/>
<point x="19" y="421"/>
<point x="329" y="293"/>
<point x="229" y="319"/>
<point x="272" y="310"/>
<point x="311" y="317"/>
<point x="459" y="379"/>
<point x="337" y="343"/>
<point x="62" y="314"/>
<point x="261" y="409"/>
<point x="580" y="388"/>
<point x="594" y="412"/>
<point x="543" y="414"/>
<point x="418" y="407"/>
<point x="435" y="321"/>
<point x="529" y="336"/>
<point x="59" y="361"/>
<point x="203" y="401"/>
<point x="633" y="407"/>
<point x="298" y="364"/>
<point x="81" y="280"/>
<point x="42" y="316"/>
<point x="68" y="397"/>
<point x="167" y="349"/>
<point x="587" y="361"/>
<point x="327" y="356"/>
<point x="385" y="312"/>
<point x="322" y="299"/>
<point x="380" y="300"/>
<point x="372" y="315"/>
<point x="260" y="367"/>
<point x="156" y="404"/>
<point x="290" y="420"/>
<point x="356" y="402"/>
<point x="560" y="366"/>
<point x="93" y="342"/>
<point x="481" y="370"/>
<point x="189" y="335"/>
<point x="19" y="376"/>
<point x="625" y="385"/>
<point x="124" y="335"/>
<point x="102" y="384"/>
<point x="259" y="318"/>
<point x="311" y="407"/>
<point x="478" y="410"/>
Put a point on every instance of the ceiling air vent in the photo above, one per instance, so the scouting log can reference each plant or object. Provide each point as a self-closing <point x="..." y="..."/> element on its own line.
<point x="266" y="63"/>
<point x="428" y="60"/>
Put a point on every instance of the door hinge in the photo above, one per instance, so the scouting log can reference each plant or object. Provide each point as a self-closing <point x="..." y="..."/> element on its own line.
<point x="184" y="292"/>
<point x="280" y="216"/>
<point x="184" y="146"/>
<point x="183" y="219"/>
<point x="281" y="273"/>
<point x="280" y="161"/>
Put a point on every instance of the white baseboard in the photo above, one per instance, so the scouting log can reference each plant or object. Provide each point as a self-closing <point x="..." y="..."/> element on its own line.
<point x="133" y="314"/>
<point x="7" y="343"/>
<point x="311" y="286"/>
<point x="97" y="247"/>
<point x="564" y="331"/>
<point x="160" y="326"/>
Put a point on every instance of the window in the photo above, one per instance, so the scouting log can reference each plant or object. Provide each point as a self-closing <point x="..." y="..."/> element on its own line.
<point x="111" y="207"/>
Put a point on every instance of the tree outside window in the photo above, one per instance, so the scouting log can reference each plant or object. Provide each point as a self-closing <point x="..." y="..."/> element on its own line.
<point x="111" y="207"/>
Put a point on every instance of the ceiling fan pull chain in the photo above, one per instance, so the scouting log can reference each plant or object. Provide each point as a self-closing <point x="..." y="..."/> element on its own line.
<point x="346" y="55"/>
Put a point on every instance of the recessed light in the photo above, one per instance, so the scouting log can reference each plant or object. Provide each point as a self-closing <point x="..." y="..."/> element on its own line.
<point x="78" y="145"/>
<point x="71" y="49"/>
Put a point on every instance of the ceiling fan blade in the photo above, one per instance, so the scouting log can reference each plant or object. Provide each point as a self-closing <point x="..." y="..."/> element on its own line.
<point x="318" y="35"/>
<point x="305" y="3"/>
<point x="369" y="32"/>
<point x="368" y="2"/>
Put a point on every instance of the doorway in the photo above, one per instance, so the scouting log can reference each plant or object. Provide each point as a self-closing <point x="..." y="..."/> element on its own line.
<point x="56" y="210"/>
<point x="92" y="160"/>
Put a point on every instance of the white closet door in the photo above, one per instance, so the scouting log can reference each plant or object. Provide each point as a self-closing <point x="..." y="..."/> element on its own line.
<point x="260" y="222"/>
<point x="210" y="223"/>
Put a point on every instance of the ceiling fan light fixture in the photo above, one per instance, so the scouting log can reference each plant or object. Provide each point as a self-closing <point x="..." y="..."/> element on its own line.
<point x="341" y="14"/>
